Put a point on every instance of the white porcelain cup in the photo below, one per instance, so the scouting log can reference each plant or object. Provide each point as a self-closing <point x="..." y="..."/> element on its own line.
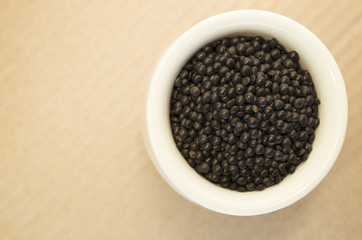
<point x="314" y="56"/>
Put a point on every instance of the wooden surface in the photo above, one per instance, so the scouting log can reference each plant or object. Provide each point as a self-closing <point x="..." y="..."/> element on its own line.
<point x="73" y="77"/>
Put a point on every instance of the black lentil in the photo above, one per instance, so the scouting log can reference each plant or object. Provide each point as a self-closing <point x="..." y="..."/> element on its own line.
<point x="243" y="112"/>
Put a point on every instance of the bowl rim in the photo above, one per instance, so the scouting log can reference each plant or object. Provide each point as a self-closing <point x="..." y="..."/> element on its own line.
<point x="173" y="167"/>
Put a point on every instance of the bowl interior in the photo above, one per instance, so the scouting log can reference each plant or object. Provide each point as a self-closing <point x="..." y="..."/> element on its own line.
<point x="314" y="56"/>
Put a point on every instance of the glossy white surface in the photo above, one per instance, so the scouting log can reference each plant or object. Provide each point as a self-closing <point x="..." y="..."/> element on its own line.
<point x="329" y="136"/>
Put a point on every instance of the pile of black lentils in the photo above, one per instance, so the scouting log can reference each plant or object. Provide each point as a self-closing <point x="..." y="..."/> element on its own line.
<point x="243" y="112"/>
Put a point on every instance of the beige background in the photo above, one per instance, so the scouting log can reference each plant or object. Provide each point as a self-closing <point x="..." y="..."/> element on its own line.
<point x="73" y="76"/>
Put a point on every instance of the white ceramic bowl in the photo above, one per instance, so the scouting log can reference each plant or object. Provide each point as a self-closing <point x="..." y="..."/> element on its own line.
<point x="330" y="134"/>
